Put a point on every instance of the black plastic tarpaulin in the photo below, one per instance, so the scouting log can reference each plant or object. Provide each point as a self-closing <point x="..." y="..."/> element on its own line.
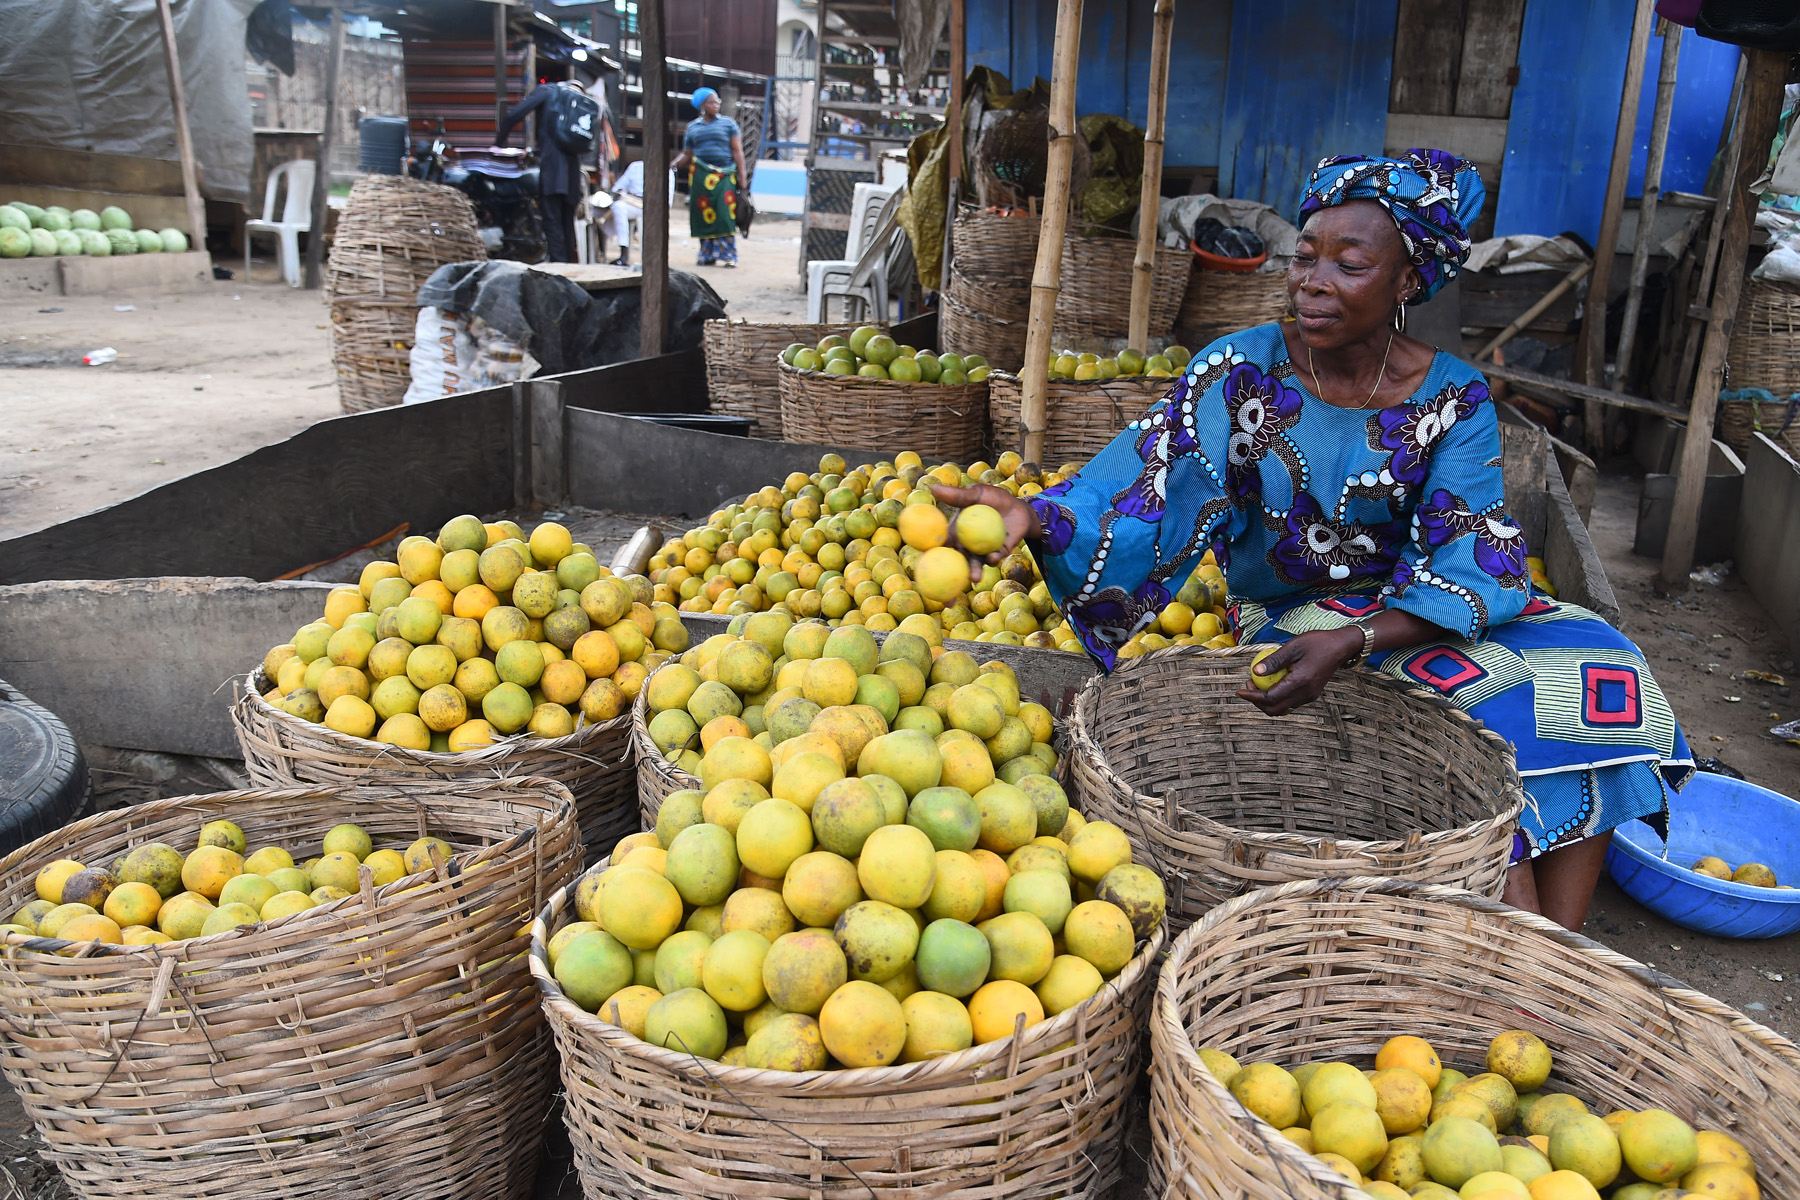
<point x="558" y="322"/>
<point x="89" y="75"/>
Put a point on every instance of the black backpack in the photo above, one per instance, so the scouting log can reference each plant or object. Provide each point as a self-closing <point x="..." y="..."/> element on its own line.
<point x="574" y="119"/>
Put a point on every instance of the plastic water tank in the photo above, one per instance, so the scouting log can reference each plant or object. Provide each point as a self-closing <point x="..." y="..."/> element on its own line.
<point x="383" y="144"/>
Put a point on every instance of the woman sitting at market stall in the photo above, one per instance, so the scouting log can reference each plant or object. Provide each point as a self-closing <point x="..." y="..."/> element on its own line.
<point x="711" y="142"/>
<point x="1347" y="479"/>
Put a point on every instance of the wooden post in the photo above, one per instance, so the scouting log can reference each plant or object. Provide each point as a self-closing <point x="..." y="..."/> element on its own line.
<point x="1143" y="267"/>
<point x="499" y="65"/>
<point x="1046" y="277"/>
<point x="653" y="305"/>
<point x="315" y="237"/>
<point x="953" y="123"/>
<point x="1731" y="145"/>
<point x="184" y="142"/>
<point x="1758" y="116"/>
<point x="1590" y="356"/>
<point x="1653" y="170"/>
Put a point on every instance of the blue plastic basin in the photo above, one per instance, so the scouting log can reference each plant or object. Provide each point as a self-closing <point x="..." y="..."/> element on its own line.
<point x="1733" y="820"/>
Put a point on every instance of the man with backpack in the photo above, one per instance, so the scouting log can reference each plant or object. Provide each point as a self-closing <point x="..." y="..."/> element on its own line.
<point x="567" y="128"/>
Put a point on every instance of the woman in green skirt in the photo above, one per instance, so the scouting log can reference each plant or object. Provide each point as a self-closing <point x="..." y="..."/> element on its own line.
<point x="711" y="142"/>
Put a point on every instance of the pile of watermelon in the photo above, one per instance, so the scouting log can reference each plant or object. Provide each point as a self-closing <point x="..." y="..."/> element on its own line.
<point x="27" y="231"/>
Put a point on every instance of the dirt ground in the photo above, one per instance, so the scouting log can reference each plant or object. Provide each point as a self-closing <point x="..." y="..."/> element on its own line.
<point x="204" y="377"/>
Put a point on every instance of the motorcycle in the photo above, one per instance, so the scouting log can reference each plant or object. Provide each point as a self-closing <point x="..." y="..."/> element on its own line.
<point x="500" y="182"/>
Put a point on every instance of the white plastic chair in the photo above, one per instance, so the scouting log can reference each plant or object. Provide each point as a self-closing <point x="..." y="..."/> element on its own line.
<point x="826" y="278"/>
<point x="296" y="216"/>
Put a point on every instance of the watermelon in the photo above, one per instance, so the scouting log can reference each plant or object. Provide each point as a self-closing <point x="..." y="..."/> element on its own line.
<point x="32" y="211"/>
<point x="14" y="242"/>
<point x="13" y="218"/>
<point x="114" y="217"/>
<point x="55" y="220"/>
<point x="173" y="241"/>
<point x="149" y="241"/>
<point x="43" y="243"/>
<point x="123" y="241"/>
<point x="66" y="242"/>
<point x="84" y="218"/>
<point x="94" y="242"/>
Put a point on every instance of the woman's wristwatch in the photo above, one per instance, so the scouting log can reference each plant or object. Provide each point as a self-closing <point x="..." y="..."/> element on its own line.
<point x="1368" y="644"/>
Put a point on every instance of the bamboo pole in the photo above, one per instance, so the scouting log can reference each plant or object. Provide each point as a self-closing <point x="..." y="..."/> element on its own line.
<point x="1143" y="267"/>
<point x="1646" y="230"/>
<point x="1590" y="354"/>
<point x="321" y="193"/>
<point x="953" y="123"/>
<point x="184" y="142"/>
<point x="1757" y="119"/>
<point x="1046" y="276"/>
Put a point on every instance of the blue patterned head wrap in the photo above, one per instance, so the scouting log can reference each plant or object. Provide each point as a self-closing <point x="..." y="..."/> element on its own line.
<point x="1433" y="197"/>
<point x="702" y="95"/>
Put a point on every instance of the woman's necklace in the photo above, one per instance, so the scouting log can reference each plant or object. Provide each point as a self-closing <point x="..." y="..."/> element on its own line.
<point x="1380" y="375"/>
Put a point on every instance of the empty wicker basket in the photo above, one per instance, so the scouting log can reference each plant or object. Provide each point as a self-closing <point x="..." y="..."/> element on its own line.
<point x="741" y="360"/>
<point x="1024" y="1118"/>
<point x="385" y="1043"/>
<point x="1095" y="296"/>
<point x="1330" y="969"/>
<point x="1084" y="415"/>
<point x="1374" y="778"/>
<point x="394" y="234"/>
<point x="1220" y="303"/>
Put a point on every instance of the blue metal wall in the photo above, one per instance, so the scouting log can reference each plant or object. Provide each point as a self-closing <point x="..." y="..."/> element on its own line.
<point x="1308" y="79"/>
<point x="1566" y="107"/>
<point x="1264" y="89"/>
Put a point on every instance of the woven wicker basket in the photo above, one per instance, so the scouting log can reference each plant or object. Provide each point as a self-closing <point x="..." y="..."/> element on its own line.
<point x="1220" y="303"/>
<point x="1085" y="415"/>
<point x="1330" y="969"/>
<point x="848" y="410"/>
<point x="993" y="246"/>
<point x="280" y="748"/>
<point x="394" y="234"/>
<point x="1374" y="778"/>
<point x="1780" y="421"/>
<point x="1765" y="338"/>
<point x="979" y="315"/>
<point x="390" y="1042"/>
<point x="1017" y="1119"/>
<point x="1094" y="300"/>
<point x="741" y="357"/>
<point x="656" y="775"/>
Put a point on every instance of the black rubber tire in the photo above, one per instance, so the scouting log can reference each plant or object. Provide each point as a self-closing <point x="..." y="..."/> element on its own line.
<point x="44" y="780"/>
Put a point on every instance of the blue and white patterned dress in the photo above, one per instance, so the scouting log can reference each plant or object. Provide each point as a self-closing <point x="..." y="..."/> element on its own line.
<point x="1319" y="515"/>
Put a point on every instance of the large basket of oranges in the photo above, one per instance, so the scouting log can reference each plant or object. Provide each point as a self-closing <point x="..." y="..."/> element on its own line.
<point x="355" y="1041"/>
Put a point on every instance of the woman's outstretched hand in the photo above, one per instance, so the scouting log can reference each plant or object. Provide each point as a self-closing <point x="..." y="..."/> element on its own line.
<point x="1311" y="659"/>
<point x="1019" y="517"/>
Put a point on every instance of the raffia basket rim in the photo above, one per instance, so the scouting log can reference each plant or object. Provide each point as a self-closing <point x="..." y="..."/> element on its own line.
<point x="460" y="761"/>
<point x="462" y="861"/>
<point x="1081" y="743"/>
<point x="1166" y="1017"/>
<point x="1051" y="1030"/>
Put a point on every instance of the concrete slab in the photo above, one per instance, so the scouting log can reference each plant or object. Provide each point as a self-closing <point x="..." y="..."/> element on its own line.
<point x="39" y="276"/>
<point x="146" y="664"/>
<point x="163" y="273"/>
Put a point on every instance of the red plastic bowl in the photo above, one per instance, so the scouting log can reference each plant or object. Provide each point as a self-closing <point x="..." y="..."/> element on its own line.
<point x="1218" y="262"/>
